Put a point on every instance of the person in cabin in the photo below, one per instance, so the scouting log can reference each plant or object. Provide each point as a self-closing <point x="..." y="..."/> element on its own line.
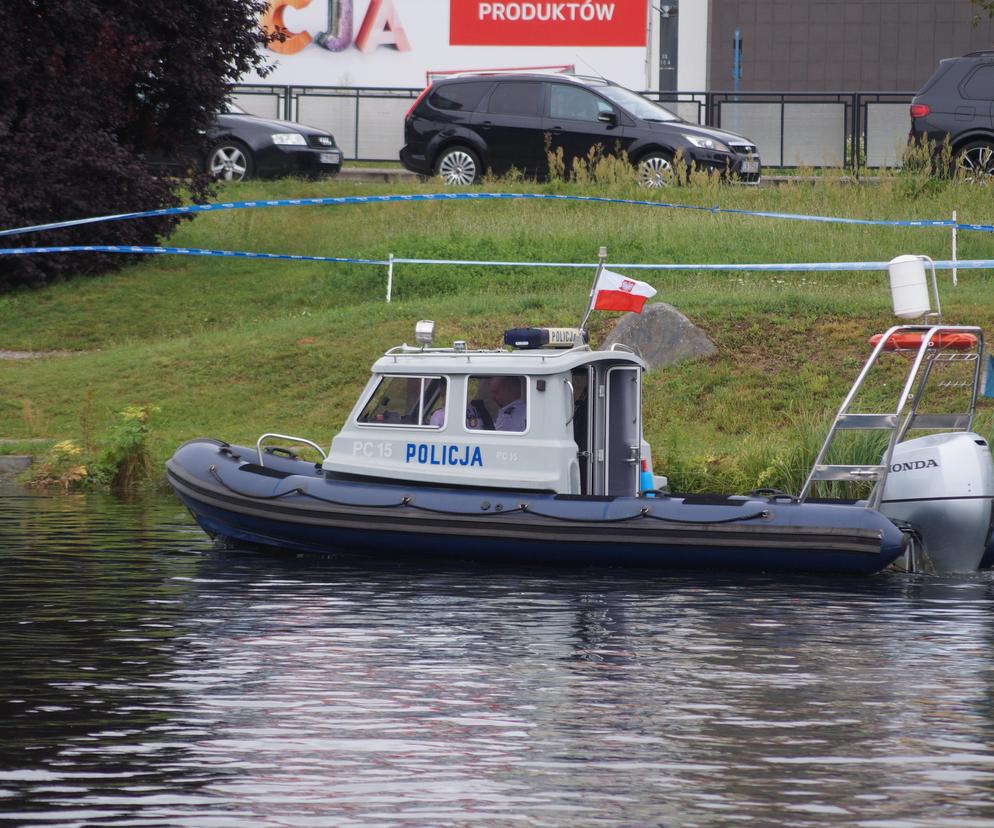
<point x="506" y="392"/>
<point x="434" y="403"/>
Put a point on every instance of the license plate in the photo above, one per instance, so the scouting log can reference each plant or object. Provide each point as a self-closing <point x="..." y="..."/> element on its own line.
<point x="750" y="165"/>
<point x="331" y="158"/>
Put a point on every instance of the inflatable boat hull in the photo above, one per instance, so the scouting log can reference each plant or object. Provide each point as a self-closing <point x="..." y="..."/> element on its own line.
<point x="292" y="505"/>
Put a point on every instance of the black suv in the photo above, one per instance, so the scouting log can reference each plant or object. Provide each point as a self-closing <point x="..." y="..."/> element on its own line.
<point x="958" y="102"/>
<point x="462" y="126"/>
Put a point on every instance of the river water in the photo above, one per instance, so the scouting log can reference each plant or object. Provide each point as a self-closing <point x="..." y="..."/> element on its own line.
<point x="150" y="680"/>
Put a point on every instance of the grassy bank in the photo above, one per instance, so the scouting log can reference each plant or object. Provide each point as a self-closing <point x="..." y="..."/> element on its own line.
<point x="232" y="348"/>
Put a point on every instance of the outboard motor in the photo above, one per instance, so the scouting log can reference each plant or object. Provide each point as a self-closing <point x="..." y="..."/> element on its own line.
<point x="943" y="485"/>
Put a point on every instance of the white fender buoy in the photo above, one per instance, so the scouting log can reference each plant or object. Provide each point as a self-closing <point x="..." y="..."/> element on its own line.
<point x="908" y="286"/>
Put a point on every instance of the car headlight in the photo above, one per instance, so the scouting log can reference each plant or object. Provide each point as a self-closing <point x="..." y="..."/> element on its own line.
<point x="706" y="143"/>
<point x="285" y="139"/>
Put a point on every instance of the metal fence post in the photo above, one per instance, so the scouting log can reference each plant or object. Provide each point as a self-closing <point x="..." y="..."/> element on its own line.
<point x="358" y="102"/>
<point x="954" y="248"/>
<point x="857" y="131"/>
<point x="389" y="277"/>
<point x="783" y="116"/>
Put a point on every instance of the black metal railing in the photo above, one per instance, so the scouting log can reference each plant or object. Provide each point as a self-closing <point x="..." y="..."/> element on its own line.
<point x="852" y="130"/>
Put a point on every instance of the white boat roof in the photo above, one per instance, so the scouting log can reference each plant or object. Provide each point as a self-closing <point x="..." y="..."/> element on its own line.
<point x="407" y="359"/>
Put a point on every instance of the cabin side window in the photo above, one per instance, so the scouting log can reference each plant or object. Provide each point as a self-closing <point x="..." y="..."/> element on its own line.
<point x="497" y="403"/>
<point x="407" y="401"/>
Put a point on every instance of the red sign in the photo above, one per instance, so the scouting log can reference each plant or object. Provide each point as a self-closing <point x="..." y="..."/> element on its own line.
<point x="547" y="23"/>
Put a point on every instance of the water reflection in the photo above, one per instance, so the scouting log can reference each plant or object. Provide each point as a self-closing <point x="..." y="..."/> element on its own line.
<point x="156" y="681"/>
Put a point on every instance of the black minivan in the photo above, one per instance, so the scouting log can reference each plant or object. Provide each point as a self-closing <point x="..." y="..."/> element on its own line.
<point x="460" y="127"/>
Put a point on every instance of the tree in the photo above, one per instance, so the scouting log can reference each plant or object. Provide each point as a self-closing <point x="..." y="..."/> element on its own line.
<point x="986" y="6"/>
<point x="90" y="89"/>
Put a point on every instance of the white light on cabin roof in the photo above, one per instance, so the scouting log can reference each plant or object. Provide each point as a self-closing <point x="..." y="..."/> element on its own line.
<point x="424" y="332"/>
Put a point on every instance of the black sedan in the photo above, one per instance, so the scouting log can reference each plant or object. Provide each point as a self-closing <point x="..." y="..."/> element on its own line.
<point x="242" y="146"/>
<point x="246" y="146"/>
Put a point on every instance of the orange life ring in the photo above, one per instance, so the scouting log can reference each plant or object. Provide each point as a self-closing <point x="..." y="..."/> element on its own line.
<point x="954" y="341"/>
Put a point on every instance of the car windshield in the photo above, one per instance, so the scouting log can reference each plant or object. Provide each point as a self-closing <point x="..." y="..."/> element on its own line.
<point x="637" y="105"/>
<point x="231" y="108"/>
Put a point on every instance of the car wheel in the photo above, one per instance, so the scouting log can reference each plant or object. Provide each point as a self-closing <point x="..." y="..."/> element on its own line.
<point x="230" y="161"/>
<point x="458" y="166"/>
<point x="655" y="170"/>
<point x="975" y="163"/>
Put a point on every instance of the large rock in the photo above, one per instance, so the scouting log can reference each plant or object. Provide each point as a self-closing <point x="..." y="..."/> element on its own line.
<point x="661" y="335"/>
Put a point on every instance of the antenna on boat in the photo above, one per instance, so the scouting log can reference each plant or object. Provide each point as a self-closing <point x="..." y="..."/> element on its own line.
<point x="601" y="258"/>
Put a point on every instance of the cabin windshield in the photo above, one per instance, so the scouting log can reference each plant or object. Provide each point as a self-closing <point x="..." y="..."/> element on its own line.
<point x="407" y="401"/>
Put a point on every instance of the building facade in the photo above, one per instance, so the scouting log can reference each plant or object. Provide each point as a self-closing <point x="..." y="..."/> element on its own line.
<point x="354" y="66"/>
<point x="847" y="45"/>
<point x="686" y="45"/>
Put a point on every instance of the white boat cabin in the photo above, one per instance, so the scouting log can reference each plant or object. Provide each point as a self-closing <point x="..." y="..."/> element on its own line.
<point x="533" y="418"/>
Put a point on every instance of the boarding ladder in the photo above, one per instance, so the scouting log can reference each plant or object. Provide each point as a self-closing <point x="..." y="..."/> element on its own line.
<point x="926" y="346"/>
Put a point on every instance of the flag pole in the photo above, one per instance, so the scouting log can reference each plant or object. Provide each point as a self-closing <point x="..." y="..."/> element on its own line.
<point x="601" y="258"/>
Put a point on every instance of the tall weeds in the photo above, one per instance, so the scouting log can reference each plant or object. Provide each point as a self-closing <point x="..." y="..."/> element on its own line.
<point x="121" y="461"/>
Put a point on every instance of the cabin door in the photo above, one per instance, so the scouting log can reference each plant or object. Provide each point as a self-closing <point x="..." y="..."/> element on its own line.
<point x="581" y="381"/>
<point x="610" y="441"/>
<point x="623" y="431"/>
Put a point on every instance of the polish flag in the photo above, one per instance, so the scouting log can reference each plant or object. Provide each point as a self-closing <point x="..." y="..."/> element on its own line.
<point x="614" y="292"/>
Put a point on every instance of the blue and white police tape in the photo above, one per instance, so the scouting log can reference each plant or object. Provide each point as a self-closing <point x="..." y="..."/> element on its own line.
<point x="386" y="199"/>
<point x="181" y="251"/>
<point x="960" y="264"/>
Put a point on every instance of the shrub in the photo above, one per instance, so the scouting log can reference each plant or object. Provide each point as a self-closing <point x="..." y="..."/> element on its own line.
<point x="62" y="468"/>
<point x="89" y="91"/>
<point x="122" y="461"/>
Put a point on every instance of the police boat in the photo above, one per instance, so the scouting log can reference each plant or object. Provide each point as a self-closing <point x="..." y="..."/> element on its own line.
<point x="534" y="453"/>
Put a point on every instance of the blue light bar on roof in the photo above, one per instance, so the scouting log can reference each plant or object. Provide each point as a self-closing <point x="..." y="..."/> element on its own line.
<point x="526" y="338"/>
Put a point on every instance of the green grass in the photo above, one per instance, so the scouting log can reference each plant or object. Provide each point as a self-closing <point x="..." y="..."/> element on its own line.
<point x="233" y="348"/>
<point x="22" y="447"/>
